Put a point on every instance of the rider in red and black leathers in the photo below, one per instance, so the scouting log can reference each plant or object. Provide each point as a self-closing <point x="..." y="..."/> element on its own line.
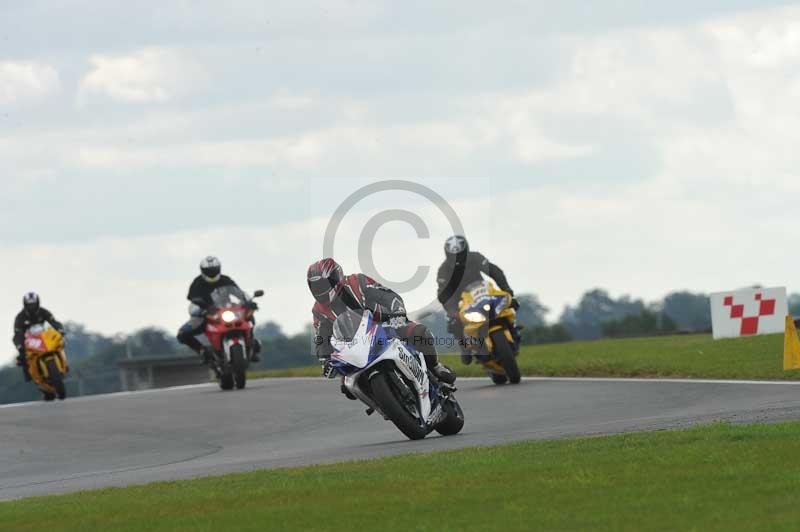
<point x="460" y="269"/>
<point x="335" y="293"/>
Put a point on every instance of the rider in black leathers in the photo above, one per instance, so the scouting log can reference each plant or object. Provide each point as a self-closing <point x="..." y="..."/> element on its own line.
<point x="460" y="269"/>
<point x="32" y="314"/>
<point x="200" y="291"/>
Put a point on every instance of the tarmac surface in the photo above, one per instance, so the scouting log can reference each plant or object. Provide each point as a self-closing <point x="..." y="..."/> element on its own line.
<point x="136" y="438"/>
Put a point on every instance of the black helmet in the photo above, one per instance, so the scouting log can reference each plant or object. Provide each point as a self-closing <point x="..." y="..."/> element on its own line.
<point x="30" y="302"/>
<point x="325" y="280"/>
<point x="456" y="247"/>
<point x="211" y="268"/>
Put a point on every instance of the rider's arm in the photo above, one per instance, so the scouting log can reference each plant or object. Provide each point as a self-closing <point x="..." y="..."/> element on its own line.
<point x="49" y="318"/>
<point x="382" y="300"/>
<point x="323" y="332"/>
<point x="446" y="288"/>
<point x="494" y="271"/>
<point x="19" y="331"/>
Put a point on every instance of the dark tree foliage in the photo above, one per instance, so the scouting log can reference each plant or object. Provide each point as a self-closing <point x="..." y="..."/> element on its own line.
<point x="690" y="312"/>
<point x="281" y="351"/>
<point x="646" y="323"/>
<point x="585" y="321"/>
<point x="794" y="305"/>
<point x="545" y="334"/>
<point x="531" y="312"/>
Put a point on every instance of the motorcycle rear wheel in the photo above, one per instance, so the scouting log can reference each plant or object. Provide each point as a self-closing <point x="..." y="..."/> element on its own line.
<point x="391" y="405"/>
<point x="453" y="421"/>
<point x="504" y="354"/>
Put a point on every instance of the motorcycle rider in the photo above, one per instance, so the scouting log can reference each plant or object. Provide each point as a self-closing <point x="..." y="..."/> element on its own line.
<point x="32" y="313"/>
<point x="200" y="291"/>
<point x="335" y="293"/>
<point x="460" y="269"/>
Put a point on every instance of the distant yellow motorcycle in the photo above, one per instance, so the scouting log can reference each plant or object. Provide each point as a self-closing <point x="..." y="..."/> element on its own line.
<point x="490" y="330"/>
<point x="47" y="362"/>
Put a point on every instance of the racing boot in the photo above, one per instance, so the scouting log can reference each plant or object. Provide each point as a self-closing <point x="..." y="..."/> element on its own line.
<point x="443" y="373"/>
<point x="466" y="357"/>
<point x="256" y="350"/>
<point x="206" y="354"/>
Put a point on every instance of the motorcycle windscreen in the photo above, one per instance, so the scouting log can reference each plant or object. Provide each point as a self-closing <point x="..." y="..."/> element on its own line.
<point x="357" y="338"/>
<point x="228" y="296"/>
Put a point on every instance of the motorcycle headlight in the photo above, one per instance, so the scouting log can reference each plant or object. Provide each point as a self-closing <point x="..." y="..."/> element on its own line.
<point x="475" y="317"/>
<point x="228" y="316"/>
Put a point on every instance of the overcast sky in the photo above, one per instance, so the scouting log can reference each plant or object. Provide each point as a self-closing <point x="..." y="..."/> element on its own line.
<point x="635" y="146"/>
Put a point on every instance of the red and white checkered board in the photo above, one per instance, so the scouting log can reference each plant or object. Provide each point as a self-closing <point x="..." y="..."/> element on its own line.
<point x="748" y="312"/>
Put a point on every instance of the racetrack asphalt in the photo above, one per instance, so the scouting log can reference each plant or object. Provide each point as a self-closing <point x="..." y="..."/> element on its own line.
<point x="136" y="438"/>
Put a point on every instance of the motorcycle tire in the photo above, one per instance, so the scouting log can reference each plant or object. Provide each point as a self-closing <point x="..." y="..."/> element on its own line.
<point x="226" y="381"/>
<point x="56" y="380"/>
<point x="499" y="379"/>
<point x="504" y="354"/>
<point x="391" y="405"/>
<point x="239" y="366"/>
<point x="453" y="421"/>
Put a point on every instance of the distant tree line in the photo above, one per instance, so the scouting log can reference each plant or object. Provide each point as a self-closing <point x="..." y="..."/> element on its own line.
<point x="598" y="315"/>
<point x="94" y="357"/>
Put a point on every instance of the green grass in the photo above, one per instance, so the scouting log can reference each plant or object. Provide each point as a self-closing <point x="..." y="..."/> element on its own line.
<point x="715" y="477"/>
<point x="693" y="356"/>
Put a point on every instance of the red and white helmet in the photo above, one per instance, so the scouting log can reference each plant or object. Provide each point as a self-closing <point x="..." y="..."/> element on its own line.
<point x="325" y="280"/>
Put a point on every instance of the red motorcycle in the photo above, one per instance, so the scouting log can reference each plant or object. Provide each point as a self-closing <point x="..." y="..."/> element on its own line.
<point x="229" y="329"/>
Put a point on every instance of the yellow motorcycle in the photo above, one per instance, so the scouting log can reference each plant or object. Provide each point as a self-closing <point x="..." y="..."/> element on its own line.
<point x="47" y="362"/>
<point x="490" y="330"/>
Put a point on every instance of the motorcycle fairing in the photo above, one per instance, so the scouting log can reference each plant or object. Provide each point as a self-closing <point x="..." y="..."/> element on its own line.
<point x="371" y="346"/>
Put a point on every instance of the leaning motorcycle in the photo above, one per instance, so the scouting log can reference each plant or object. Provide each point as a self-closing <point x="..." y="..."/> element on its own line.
<point x="392" y="379"/>
<point x="490" y="330"/>
<point x="47" y="362"/>
<point x="229" y="329"/>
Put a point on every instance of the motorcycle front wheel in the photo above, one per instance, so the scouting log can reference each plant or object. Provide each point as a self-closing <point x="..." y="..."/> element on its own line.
<point x="504" y="354"/>
<point x="226" y="381"/>
<point x="56" y="380"/>
<point x="239" y="366"/>
<point x="391" y="404"/>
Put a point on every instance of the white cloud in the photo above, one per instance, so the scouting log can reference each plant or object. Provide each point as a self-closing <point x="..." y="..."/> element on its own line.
<point x="287" y="100"/>
<point x="27" y="81"/>
<point x="151" y="75"/>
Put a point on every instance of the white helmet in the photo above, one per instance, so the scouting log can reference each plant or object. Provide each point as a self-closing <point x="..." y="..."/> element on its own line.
<point x="456" y="245"/>
<point x="211" y="269"/>
<point x="30" y="302"/>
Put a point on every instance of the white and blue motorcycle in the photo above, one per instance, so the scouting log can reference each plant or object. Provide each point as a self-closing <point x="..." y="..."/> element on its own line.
<point x="392" y="379"/>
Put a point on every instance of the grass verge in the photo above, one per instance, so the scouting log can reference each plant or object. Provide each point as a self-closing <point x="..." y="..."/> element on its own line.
<point x="690" y="356"/>
<point x="714" y="477"/>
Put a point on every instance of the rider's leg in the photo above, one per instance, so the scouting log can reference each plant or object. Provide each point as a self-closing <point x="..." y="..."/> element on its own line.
<point x="22" y="362"/>
<point x="420" y="337"/>
<point x="187" y="335"/>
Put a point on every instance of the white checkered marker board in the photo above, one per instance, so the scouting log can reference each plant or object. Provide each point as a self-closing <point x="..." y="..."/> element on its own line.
<point x="748" y="312"/>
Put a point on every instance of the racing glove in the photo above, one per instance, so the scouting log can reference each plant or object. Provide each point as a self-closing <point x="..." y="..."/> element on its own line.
<point x="452" y="324"/>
